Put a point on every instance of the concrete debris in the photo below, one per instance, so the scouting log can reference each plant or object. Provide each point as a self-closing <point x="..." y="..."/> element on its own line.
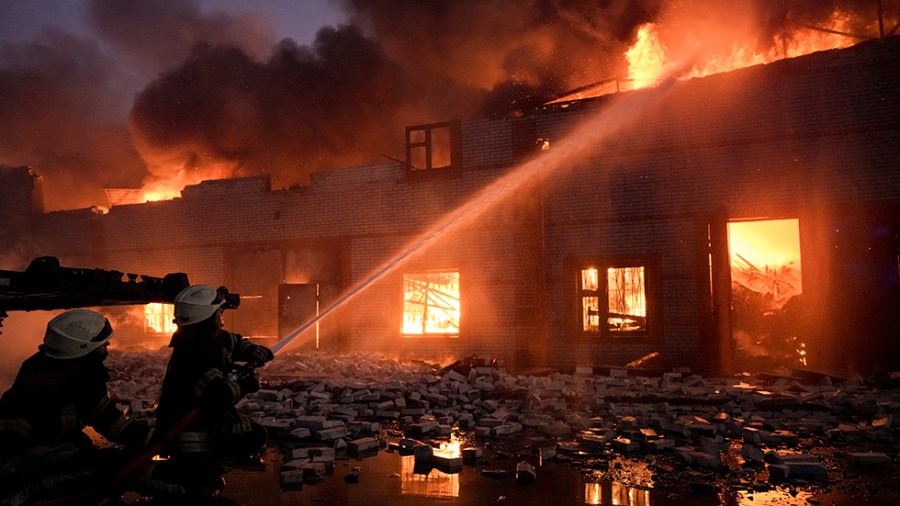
<point x="362" y="445"/>
<point x="320" y="404"/>
<point x="791" y="465"/>
<point x="752" y="453"/>
<point x="868" y="458"/>
<point x="525" y="473"/>
<point x="471" y="455"/>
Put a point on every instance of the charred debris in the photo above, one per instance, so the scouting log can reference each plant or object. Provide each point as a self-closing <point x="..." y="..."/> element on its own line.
<point x="695" y="434"/>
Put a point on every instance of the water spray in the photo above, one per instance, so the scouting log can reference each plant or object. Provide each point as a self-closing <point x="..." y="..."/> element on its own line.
<point x="619" y="114"/>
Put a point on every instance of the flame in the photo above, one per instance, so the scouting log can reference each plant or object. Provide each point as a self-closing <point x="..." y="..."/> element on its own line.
<point x="164" y="189"/>
<point x="771" y="243"/>
<point x="649" y="57"/>
<point x="765" y="257"/>
<point x="450" y="449"/>
<point x="431" y="304"/>
<point x="160" y="318"/>
<point x="154" y="196"/>
<point x="169" y="178"/>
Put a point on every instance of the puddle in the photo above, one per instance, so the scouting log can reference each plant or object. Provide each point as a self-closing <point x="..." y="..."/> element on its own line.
<point x="387" y="477"/>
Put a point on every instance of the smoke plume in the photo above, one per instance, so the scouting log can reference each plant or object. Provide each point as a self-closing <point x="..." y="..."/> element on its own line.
<point x="218" y="96"/>
<point x="55" y="104"/>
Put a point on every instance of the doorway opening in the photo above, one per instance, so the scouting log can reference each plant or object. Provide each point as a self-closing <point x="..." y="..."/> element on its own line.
<point x="298" y="303"/>
<point x="766" y="290"/>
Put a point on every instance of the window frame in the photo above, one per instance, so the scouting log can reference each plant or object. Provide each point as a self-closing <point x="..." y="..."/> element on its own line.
<point x="603" y="264"/>
<point x="424" y="139"/>
<point x="432" y="335"/>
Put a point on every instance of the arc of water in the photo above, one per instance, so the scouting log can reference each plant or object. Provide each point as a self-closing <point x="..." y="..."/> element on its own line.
<point x="624" y="111"/>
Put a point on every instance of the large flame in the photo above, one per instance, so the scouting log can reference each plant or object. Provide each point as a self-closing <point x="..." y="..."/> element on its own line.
<point x="166" y="183"/>
<point x="647" y="57"/>
<point x="160" y="318"/>
<point x="650" y="57"/>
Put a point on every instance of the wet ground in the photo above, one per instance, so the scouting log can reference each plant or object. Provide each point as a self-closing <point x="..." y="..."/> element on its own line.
<point x="390" y="477"/>
<point x="578" y="422"/>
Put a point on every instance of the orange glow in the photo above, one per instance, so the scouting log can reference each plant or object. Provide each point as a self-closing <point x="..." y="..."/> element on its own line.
<point x="626" y="299"/>
<point x="161" y="195"/>
<point x="449" y="449"/>
<point x="765" y="258"/>
<point x="650" y="57"/>
<point x="771" y="243"/>
<point x="164" y="189"/>
<point x="435" y="483"/>
<point x="646" y="58"/>
<point x="171" y="176"/>
<point x="431" y="304"/>
<point x="618" y="495"/>
<point x="593" y="493"/>
<point x="160" y="318"/>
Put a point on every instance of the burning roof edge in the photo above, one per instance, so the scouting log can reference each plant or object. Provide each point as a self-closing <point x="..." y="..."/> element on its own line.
<point x="604" y="89"/>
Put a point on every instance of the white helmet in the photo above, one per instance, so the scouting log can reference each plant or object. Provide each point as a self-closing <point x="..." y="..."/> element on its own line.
<point x="76" y="333"/>
<point x="196" y="303"/>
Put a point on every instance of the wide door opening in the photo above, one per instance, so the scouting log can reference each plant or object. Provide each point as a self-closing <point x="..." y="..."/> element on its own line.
<point x="766" y="290"/>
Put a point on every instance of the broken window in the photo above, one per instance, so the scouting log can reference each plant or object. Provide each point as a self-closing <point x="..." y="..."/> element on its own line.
<point x="618" y="300"/>
<point x="431" y="304"/>
<point x="432" y="147"/>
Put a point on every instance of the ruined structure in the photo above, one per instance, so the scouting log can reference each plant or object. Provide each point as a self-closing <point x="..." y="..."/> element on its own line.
<point x="610" y="256"/>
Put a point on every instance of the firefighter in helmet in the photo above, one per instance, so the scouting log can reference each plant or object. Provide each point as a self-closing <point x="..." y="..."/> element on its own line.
<point x="201" y="387"/>
<point x="58" y="392"/>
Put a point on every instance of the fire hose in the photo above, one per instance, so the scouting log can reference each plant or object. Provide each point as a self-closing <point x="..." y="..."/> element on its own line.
<point x="176" y="430"/>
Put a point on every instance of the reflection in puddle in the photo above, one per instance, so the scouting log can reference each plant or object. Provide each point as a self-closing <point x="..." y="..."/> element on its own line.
<point x="428" y="481"/>
<point x="615" y="494"/>
<point x="774" y="497"/>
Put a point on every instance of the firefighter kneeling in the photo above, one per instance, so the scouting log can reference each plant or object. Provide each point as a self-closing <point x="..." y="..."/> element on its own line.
<point x="58" y="392"/>
<point x="203" y="383"/>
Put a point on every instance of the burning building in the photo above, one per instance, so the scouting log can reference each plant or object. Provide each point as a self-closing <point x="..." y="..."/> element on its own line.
<point x="714" y="220"/>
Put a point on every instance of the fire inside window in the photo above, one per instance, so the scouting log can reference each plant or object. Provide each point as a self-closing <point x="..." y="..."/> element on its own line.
<point x="432" y="147"/>
<point x="159" y="318"/>
<point x="620" y="301"/>
<point x="431" y="304"/>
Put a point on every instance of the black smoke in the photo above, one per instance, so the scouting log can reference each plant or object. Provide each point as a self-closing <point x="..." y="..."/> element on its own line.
<point x="167" y="89"/>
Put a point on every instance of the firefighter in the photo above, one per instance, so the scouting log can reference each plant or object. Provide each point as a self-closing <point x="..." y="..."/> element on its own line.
<point x="201" y="387"/>
<point x="58" y="392"/>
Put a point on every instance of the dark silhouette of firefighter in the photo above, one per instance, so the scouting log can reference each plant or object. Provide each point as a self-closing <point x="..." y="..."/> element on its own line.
<point x="203" y="382"/>
<point x="59" y="391"/>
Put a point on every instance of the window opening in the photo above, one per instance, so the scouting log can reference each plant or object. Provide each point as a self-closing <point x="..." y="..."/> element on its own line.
<point x="431" y="304"/>
<point x="627" y="299"/>
<point x="623" y="296"/>
<point x="159" y="318"/>
<point x="432" y="147"/>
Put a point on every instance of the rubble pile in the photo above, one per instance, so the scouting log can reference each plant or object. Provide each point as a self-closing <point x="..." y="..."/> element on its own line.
<point x="319" y="407"/>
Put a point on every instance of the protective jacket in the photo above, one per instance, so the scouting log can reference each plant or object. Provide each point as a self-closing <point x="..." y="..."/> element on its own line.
<point x="53" y="400"/>
<point x="42" y="416"/>
<point x="201" y="377"/>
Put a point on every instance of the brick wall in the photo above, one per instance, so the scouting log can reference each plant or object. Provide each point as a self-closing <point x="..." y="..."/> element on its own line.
<point x="768" y="140"/>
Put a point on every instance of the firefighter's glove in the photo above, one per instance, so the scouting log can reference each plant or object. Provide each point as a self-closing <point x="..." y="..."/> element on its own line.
<point x="248" y="382"/>
<point x="261" y="354"/>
